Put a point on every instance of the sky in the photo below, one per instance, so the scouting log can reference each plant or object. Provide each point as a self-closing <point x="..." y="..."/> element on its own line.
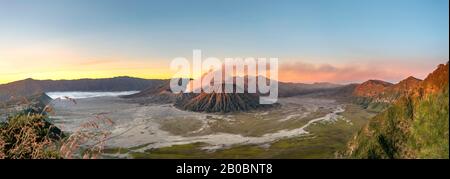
<point x="340" y="41"/>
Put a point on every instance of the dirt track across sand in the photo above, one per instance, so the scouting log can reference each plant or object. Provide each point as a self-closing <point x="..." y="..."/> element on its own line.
<point x="162" y="125"/>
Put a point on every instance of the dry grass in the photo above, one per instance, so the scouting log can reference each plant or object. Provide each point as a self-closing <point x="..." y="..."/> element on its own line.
<point x="28" y="135"/>
<point x="2" y="145"/>
<point x="92" y="135"/>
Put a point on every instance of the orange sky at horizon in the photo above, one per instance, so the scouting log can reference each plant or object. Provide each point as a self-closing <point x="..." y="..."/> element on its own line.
<point x="288" y="72"/>
<point x="314" y="40"/>
<point x="58" y="62"/>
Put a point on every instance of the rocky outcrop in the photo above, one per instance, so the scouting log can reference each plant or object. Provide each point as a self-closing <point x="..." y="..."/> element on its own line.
<point x="34" y="103"/>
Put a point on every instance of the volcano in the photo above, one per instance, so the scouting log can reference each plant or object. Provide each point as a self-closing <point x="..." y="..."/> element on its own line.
<point x="219" y="102"/>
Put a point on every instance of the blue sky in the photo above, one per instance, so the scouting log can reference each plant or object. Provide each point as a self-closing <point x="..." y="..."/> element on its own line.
<point x="336" y="32"/>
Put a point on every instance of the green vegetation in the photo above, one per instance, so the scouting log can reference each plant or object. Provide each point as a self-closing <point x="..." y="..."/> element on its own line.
<point x="252" y="125"/>
<point x="248" y="124"/>
<point x="370" y="104"/>
<point x="412" y="128"/>
<point x="324" y="141"/>
<point x="180" y="126"/>
<point x="429" y="133"/>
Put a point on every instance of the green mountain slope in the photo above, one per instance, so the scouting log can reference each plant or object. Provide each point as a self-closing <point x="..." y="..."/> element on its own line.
<point x="415" y="126"/>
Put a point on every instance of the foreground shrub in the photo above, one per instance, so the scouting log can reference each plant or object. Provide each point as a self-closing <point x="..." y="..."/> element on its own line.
<point x="29" y="136"/>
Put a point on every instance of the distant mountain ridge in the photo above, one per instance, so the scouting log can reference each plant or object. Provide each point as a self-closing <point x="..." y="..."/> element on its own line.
<point x="382" y="89"/>
<point x="27" y="87"/>
<point x="406" y="85"/>
<point x="155" y="94"/>
<point x="371" y="88"/>
<point x="376" y="95"/>
<point x="228" y="102"/>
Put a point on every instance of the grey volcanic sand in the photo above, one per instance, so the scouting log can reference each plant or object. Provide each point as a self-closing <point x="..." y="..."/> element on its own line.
<point x="137" y="125"/>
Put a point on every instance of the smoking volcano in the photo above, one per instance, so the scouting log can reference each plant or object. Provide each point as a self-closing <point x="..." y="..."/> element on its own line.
<point x="219" y="101"/>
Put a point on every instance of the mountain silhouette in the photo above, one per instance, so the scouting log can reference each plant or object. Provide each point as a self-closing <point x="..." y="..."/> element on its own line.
<point x="28" y="87"/>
